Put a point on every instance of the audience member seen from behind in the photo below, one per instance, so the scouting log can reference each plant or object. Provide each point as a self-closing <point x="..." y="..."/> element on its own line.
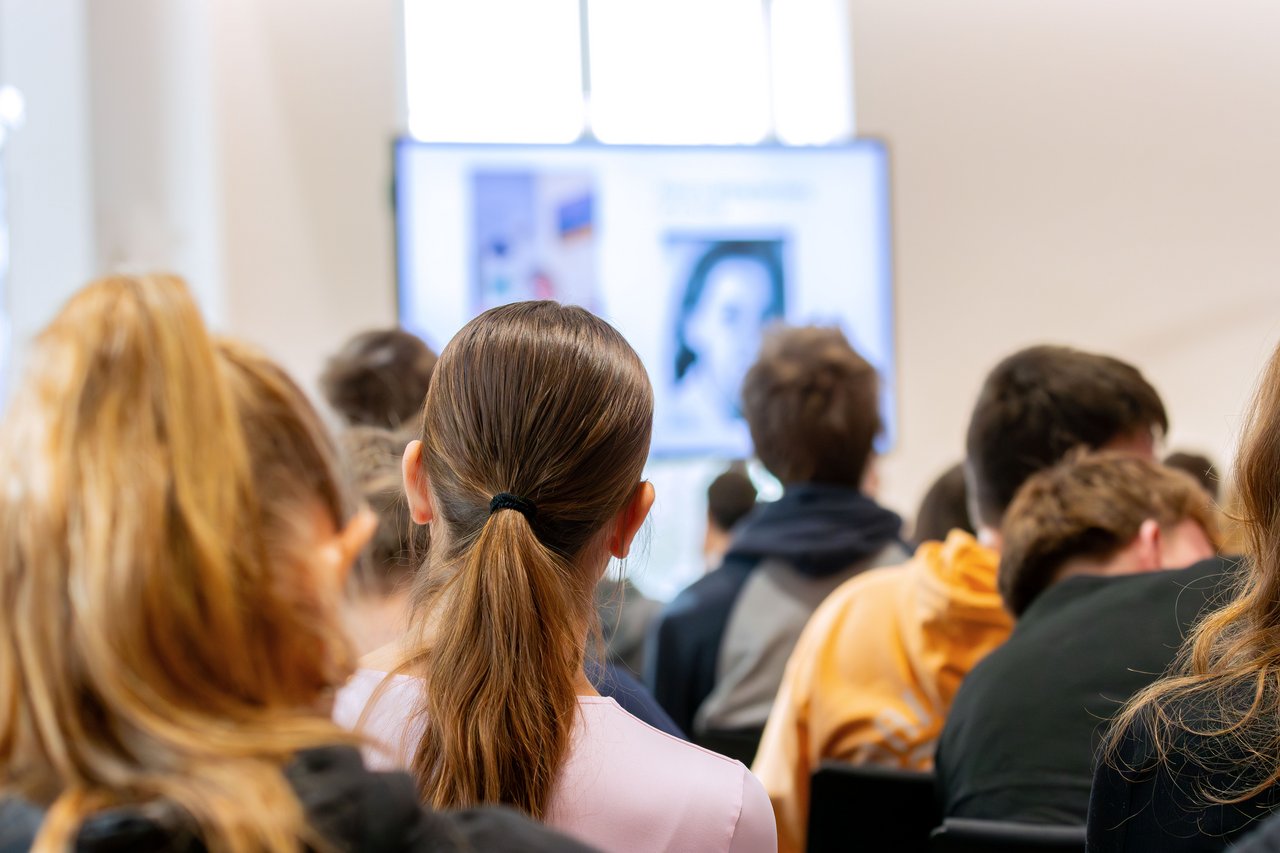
<point x="1194" y="760"/>
<point x="720" y="647"/>
<point x="945" y="508"/>
<point x="379" y="378"/>
<point x="1199" y="466"/>
<point x="730" y="498"/>
<point x="873" y="675"/>
<point x="176" y="538"/>
<point x="379" y="598"/>
<point x="1082" y="569"/>
<point x="535" y="434"/>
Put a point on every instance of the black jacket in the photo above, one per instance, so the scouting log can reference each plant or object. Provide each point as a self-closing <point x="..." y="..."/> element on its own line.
<point x="818" y="531"/>
<point x="354" y="809"/>
<point x="1020" y="739"/>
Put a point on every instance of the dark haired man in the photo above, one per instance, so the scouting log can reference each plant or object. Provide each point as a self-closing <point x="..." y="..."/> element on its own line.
<point x="873" y="675"/>
<point x="1084" y="569"/>
<point x="718" y="650"/>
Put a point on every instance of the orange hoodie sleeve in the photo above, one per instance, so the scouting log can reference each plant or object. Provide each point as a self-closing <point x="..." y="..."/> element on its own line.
<point x="872" y="676"/>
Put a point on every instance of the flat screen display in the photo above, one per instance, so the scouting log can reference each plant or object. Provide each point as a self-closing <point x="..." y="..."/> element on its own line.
<point x="691" y="252"/>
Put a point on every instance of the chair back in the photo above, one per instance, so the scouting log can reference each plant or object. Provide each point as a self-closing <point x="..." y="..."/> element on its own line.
<point x="854" y="807"/>
<point x="966" y="835"/>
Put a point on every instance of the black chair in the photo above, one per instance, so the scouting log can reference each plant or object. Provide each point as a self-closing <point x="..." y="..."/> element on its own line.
<point x="966" y="835"/>
<point x="853" y="807"/>
<point x="734" y="743"/>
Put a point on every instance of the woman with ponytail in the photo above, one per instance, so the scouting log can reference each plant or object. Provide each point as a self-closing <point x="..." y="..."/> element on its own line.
<point x="174" y="537"/>
<point x="534" y="436"/>
<point x="1193" y="761"/>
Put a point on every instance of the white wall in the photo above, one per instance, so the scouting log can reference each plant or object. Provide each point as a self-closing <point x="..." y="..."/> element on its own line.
<point x="50" y="203"/>
<point x="1078" y="171"/>
<point x="306" y="94"/>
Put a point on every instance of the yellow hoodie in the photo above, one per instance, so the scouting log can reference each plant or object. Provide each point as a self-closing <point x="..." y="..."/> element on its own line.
<point x="874" y="673"/>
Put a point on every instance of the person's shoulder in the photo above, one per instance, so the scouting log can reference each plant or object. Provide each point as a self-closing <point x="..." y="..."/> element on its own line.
<point x="716" y="589"/>
<point x="703" y="791"/>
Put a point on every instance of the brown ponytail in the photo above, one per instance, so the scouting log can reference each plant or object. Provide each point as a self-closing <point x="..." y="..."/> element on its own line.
<point x="551" y="404"/>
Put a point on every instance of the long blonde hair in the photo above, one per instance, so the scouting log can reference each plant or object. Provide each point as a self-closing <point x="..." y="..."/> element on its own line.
<point x="1224" y="691"/>
<point x="550" y="404"/>
<point x="155" y="647"/>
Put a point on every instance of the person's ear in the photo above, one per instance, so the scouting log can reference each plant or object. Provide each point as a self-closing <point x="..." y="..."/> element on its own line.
<point x="339" y="554"/>
<point x="416" y="487"/>
<point x="1148" y="547"/>
<point x="629" y="520"/>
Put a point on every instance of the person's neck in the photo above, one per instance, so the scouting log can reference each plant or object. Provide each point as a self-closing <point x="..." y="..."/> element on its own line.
<point x="378" y="621"/>
<point x="1115" y="566"/>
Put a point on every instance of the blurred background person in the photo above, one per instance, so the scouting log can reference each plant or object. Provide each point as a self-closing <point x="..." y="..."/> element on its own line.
<point x="945" y="507"/>
<point x="379" y="378"/>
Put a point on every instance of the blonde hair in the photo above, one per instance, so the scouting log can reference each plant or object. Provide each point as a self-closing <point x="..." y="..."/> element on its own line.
<point x="1223" y="692"/>
<point x="154" y="648"/>
<point x="548" y="403"/>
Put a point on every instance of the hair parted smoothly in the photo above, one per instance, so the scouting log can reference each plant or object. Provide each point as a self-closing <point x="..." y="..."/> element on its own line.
<point x="812" y="404"/>
<point x="1092" y="505"/>
<point x="1224" y="691"/>
<point x="157" y="648"/>
<point x="1041" y="403"/>
<point x="549" y="404"/>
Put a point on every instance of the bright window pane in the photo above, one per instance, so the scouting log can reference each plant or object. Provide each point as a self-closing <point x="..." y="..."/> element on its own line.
<point x="812" y="74"/>
<point x="678" y="71"/>
<point x="493" y="70"/>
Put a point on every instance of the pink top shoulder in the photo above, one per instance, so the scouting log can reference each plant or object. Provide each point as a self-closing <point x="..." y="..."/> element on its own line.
<point x="625" y="786"/>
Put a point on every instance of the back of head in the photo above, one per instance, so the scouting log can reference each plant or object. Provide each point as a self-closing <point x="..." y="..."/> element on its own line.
<point x="1089" y="507"/>
<point x="812" y="405"/>
<point x="379" y="378"/>
<point x="730" y="496"/>
<point x="945" y="507"/>
<point x="1041" y="403"/>
<point x="156" y="647"/>
<point x="1199" y="466"/>
<point x="373" y="456"/>
<point x="549" y="404"/>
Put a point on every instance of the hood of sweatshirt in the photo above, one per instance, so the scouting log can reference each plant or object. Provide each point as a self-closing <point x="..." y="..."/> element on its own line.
<point x="818" y="529"/>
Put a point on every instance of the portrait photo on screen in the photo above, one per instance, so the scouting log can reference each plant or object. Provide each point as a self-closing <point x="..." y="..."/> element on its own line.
<point x="725" y="293"/>
<point x="534" y="238"/>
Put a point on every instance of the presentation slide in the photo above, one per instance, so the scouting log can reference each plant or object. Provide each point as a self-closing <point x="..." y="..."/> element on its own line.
<point x="691" y="252"/>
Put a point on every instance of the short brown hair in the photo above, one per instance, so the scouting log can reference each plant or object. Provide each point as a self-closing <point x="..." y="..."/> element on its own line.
<point x="399" y="546"/>
<point x="1040" y="404"/>
<point x="1090" y="506"/>
<point x="379" y="378"/>
<point x="812" y="405"/>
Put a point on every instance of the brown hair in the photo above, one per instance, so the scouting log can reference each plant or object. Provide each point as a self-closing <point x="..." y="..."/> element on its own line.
<point x="945" y="507"/>
<point x="730" y="497"/>
<point x="1091" y="506"/>
<point x="154" y="649"/>
<point x="1223" y="690"/>
<point x="1041" y="403"/>
<point x="1199" y="466"/>
<point x="548" y="403"/>
<point x="812" y="405"/>
<point x="398" y="547"/>
<point x="379" y="378"/>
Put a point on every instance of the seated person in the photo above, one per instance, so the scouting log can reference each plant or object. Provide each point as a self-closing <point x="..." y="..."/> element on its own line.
<point x="945" y="508"/>
<point x="379" y="595"/>
<point x="873" y="675"/>
<point x="730" y="498"/>
<point x="1192" y="763"/>
<point x="719" y="648"/>
<point x="379" y="378"/>
<point x="1085" y="544"/>
<point x="176" y="537"/>
<point x="535" y="433"/>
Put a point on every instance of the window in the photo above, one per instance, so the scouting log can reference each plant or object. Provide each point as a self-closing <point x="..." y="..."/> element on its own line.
<point x="658" y="71"/>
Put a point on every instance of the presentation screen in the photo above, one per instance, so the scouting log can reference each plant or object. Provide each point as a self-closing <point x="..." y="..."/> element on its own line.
<point x="691" y="252"/>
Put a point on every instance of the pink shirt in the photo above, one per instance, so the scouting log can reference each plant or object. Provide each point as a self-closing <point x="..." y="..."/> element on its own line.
<point x="624" y="787"/>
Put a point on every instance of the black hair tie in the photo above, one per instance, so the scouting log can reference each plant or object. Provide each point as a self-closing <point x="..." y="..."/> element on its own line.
<point x="506" y="500"/>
